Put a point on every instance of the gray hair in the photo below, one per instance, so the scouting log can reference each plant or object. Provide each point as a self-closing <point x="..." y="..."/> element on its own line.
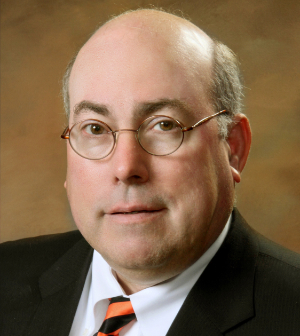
<point x="226" y="86"/>
<point x="65" y="86"/>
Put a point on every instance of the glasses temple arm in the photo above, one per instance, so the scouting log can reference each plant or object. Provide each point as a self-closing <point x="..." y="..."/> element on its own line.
<point x="64" y="134"/>
<point x="203" y="121"/>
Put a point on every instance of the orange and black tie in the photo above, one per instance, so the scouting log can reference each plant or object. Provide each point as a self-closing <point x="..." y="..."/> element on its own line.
<point x="119" y="314"/>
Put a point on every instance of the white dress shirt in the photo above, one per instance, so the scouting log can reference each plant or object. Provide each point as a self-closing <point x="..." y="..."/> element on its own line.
<point x="155" y="307"/>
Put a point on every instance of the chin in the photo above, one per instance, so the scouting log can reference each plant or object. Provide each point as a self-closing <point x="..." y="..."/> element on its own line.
<point x="137" y="257"/>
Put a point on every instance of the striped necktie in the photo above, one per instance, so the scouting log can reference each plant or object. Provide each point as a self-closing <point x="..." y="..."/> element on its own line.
<point x="119" y="314"/>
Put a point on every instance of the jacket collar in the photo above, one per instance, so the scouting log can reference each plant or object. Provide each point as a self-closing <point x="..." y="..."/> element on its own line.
<point x="223" y="296"/>
<point x="61" y="287"/>
<point x="66" y="270"/>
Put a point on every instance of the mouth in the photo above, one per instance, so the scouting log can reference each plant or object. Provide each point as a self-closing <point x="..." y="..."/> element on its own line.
<point x="134" y="212"/>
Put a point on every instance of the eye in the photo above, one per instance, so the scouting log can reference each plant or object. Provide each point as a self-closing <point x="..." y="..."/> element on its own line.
<point x="165" y="125"/>
<point x="94" y="128"/>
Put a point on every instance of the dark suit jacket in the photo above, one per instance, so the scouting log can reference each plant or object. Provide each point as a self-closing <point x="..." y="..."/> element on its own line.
<point x="251" y="287"/>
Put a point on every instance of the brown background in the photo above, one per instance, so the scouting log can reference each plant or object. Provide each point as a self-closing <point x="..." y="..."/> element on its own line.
<point x="40" y="36"/>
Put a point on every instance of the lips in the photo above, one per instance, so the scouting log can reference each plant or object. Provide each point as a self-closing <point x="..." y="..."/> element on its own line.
<point x="134" y="209"/>
<point x="133" y="212"/>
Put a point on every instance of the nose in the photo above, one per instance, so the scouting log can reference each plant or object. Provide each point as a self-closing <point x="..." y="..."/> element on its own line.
<point x="129" y="161"/>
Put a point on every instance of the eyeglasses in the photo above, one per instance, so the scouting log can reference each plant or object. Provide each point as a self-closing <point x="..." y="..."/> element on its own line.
<point x="158" y="135"/>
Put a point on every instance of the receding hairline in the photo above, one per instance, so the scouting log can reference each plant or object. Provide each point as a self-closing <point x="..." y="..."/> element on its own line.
<point x="168" y="28"/>
<point x="172" y="30"/>
<point x="137" y="19"/>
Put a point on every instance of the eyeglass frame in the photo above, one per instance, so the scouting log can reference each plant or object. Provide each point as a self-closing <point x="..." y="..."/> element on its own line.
<point x="184" y="129"/>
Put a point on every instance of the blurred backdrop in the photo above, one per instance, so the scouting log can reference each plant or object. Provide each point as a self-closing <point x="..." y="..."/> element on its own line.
<point x="40" y="36"/>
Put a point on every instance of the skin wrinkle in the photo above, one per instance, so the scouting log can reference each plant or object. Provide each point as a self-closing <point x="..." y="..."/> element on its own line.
<point x="193" y="187"/>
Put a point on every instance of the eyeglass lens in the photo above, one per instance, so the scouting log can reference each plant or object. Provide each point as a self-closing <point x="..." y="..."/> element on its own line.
<point x="158" y="135"/>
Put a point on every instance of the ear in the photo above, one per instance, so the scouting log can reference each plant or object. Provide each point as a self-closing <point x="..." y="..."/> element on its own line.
<point x="239" y="141"/>
<point x="65" y="184"/>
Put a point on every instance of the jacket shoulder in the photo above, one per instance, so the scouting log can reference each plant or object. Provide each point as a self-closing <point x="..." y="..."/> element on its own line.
<point x="35" y="271"/>
<point x="279" y="254"/>
<point x="276" y="291"/>
<point x="278" y="274"/>
<point x="29" y="257"/>
<point x="274" y="284"/>
<point x="71" y="236"/>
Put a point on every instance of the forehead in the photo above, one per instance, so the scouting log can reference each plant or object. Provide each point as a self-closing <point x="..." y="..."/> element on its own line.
<point x="120" y="68"/>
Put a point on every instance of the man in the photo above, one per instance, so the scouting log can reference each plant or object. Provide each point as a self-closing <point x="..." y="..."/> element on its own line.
<point x="155" y="145"/>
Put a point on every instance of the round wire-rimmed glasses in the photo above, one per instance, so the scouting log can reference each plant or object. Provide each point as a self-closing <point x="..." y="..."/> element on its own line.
<point x="158" y="135"/>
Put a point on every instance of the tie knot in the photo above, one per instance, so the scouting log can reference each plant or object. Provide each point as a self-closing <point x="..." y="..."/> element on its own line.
<point x="119" y="299"/>
<point x="119" y="314"/>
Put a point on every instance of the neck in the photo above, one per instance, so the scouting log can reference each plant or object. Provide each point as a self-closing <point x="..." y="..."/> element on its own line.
<point x="131" y="287"/>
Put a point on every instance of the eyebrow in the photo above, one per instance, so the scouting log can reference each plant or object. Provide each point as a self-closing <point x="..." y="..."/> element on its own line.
<point x="147" y="108"/>
<point x="142" y="110"/>
<point x="88" y="105"/>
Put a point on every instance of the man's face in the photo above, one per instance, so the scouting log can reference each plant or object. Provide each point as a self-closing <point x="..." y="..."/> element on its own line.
<point x="145" y="213"/>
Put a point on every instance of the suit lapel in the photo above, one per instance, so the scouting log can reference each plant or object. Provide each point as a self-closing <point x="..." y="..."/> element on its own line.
<point x="61" y="287"/>
<point x="223" y="296"/>
<point x="193" y="319"/>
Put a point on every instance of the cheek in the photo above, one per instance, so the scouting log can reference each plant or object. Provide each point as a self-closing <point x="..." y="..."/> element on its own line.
<point x="86" y="192"/>
<point x="193" y="173"/>
<point x="194" y="178"/>
<point x="85" y="184"/>
<point x="190" y="186"/>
